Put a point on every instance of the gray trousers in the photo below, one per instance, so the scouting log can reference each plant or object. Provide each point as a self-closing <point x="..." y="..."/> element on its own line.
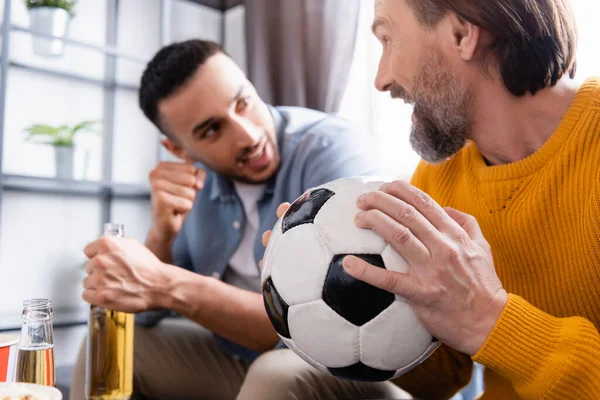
<point x="179" y="359"/>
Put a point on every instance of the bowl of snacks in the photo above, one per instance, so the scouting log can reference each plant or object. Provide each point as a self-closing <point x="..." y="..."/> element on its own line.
<point x="28" y="391"/>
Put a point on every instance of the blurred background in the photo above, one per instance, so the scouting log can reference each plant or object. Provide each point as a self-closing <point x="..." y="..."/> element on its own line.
<point x="76" y="150"/>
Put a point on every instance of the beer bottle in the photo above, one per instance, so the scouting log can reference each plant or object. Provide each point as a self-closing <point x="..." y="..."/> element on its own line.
<point x="35" y="358"/>
<point x="109" y="361"/>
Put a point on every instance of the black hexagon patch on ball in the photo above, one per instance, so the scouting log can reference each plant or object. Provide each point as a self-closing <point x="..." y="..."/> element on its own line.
<point x="277" y="309"/>
<point x="305" y="209"/>
<point x="361" y="372"/>
<point x="356" y="301"/>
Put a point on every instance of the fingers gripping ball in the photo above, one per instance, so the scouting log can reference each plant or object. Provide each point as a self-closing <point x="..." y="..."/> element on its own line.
<point x="337" y="324"/>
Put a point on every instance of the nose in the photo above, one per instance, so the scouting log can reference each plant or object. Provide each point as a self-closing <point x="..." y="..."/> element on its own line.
<point x="247" y="134"/>
<point x="383" y="80"/>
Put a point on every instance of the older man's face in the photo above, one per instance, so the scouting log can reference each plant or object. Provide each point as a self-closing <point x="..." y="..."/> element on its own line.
<point x="414" y="67"/>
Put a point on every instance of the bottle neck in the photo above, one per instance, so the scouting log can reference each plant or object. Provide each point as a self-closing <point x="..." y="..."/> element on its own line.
<point x="112" y="229"/>
<point x="37" y="331"/>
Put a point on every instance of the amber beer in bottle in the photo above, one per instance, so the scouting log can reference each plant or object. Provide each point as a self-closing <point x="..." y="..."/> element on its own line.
<point x="109" y="361"/>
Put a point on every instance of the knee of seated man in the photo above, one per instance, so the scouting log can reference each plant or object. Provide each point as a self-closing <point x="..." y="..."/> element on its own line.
<point x="141" y="337"/>
<point x="281" y="366"/>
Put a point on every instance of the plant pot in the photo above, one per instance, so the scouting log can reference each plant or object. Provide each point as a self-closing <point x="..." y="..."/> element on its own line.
<point x="63" y="158"/>
<point x="49" y="21"/>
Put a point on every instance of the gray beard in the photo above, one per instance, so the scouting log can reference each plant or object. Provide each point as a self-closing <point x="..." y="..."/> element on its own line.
<point x="442" y="108"/>
<point x="436" y="138"/>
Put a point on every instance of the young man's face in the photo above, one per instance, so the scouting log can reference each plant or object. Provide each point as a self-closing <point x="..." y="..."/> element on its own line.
<point x="419" y="65"/>
<point x="218" y="119"/>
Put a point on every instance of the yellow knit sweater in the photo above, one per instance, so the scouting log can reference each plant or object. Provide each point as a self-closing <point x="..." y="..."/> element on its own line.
<point x="541" y="217"/>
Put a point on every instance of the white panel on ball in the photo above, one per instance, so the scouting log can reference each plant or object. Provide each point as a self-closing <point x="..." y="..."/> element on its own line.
<point x="364" y="183"/>
<point x="300" y="262"/>
<point x="394" y="339"/>
<point x="267" y="264"/>
<point x="337" y="216"/>
<point x="394" y="262"/>
<point x="323" y="335"/>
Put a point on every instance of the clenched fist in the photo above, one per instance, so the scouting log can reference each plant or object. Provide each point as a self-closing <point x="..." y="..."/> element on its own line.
<point x="174" y="187"/>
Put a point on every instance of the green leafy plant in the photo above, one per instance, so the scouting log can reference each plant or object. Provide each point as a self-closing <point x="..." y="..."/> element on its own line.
<point x="67" y="5"/>
<point x="63" y="135"/>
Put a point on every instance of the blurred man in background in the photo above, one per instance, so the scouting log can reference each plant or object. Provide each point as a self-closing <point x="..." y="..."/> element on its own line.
<point x="241" y="158"/>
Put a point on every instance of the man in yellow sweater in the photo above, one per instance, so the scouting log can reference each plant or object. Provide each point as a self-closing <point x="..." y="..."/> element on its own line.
<point x="512" y="280"/>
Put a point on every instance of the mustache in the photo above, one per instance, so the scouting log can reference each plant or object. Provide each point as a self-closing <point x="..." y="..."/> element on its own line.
<point x="398" y="92"/>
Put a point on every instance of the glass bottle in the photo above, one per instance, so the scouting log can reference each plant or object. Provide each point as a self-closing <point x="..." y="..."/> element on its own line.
<point x="35" y="358"/>
<point x="109" y="361"/>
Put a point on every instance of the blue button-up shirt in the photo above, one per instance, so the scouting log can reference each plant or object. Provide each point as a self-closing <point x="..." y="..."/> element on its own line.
<point x="315" y="148"/>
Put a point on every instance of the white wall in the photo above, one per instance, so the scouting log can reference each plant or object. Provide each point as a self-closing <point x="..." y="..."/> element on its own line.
<point x="375" y="113"/>
<point x="42" y="236"/>
<point x="588" y="57"/>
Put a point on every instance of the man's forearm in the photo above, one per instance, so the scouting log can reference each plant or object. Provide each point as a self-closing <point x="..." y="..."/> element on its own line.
<point x="161" y="247"/>
<point x="235" y="314"/>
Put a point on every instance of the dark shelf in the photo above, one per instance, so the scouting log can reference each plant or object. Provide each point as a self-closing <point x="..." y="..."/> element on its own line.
<point x="220" y="5"/>
<point x="74" y="187"/>
<point x="108" y="50"/>
<point x="130" y="191"/>
<point x="61" y="319"/>
<point x="73" y="77"/>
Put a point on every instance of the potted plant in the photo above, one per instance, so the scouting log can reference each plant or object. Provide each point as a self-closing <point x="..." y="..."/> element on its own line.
<point x="50" y="17"/>
<point x="62" y="138"/>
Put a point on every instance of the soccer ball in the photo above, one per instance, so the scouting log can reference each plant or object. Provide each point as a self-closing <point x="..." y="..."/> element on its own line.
<point x="337" y="324"/>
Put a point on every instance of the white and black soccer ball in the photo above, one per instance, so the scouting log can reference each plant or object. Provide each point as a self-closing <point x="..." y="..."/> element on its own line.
<point x="336" y="323"/>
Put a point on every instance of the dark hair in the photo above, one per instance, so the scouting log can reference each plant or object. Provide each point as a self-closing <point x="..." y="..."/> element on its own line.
<point x="169" y="70"/>
<point x="535" y="40"/>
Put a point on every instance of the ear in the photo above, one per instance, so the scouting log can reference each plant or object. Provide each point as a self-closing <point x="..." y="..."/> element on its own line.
<point x="178" y="151"/>
<point x="466" y="37"/>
